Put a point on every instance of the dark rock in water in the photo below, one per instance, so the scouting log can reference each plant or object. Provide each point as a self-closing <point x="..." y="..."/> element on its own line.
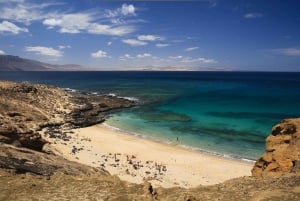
<point x="282" y="151"/>
<point x="159" y="116"/>
<point x="91" y="107"/>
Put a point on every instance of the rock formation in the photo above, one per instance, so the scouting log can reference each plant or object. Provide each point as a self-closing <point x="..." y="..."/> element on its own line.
<point x="26" y="110"/>
<point x="282" y="151"/>
<point x="22" y="160"/>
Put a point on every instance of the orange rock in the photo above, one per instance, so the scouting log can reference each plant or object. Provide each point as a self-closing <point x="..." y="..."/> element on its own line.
<point x="267" y="157"/>
<point x="282" y="150"/>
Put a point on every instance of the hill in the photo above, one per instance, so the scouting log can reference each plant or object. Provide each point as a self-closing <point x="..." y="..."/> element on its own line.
<point x="15" y="63"/>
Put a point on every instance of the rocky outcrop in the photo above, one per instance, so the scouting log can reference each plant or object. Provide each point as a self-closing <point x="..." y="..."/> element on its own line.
<point x="24" y="107"/>
<point x="92" y="109"/>
<point x="22" y="160"/>
<point x="282" y="151"/>
<point x="28" y="110"/>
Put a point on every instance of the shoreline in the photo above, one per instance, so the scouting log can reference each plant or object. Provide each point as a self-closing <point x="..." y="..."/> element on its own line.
<point x="183" y="146"/>
<point x="136" y="159"/>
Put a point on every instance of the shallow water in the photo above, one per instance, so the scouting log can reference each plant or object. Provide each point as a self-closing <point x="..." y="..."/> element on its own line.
<point x="226" y="113"/>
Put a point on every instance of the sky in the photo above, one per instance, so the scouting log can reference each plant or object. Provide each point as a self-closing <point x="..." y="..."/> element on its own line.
<point x="241" y="35"/>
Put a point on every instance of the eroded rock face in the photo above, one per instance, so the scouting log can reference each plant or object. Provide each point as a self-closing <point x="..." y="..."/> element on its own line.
<point x="282" y="151"/>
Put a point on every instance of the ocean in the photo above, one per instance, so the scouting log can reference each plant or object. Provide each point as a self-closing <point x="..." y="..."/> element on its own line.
<point x="223" y="113"/>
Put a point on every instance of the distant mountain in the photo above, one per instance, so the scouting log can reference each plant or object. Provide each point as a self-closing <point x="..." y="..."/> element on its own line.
<point x="15" y="63"/>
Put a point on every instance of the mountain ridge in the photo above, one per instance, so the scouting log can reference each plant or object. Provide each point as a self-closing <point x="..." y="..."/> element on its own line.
<point x="16" y="63"/>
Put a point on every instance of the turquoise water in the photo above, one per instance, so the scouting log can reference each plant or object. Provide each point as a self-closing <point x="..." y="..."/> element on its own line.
<point x="225" y="113"/>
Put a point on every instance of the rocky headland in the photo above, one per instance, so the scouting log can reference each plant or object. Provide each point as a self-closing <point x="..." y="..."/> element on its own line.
<point x="282" y="151"/>
<point x="30" y="170"/>
<point x="31" y="113"/>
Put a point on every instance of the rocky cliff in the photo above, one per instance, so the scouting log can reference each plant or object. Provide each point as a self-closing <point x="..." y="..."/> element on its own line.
<point x="282" y="151"/>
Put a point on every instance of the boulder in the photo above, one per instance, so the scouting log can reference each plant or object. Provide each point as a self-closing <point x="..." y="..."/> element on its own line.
<point x="282" y="151"/>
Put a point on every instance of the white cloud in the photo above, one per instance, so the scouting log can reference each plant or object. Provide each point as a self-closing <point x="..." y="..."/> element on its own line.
<point x="117" y="16"/>
<point x="2" y="52"/>
<point x="126" y="56"/>
<point x="109" y="43"/>
<point x="162" y="45"/>
<point x="64" y="46"/>
<point x="176" y="57"/>
<point x="191" y="49"/>
<point x="52" y="22"/>
<point x="99" y="54"/>
<point x="25" y="12"/>
<point x="183" y="59"/>
<point x="128" y="9"/>
<point x="253" y="15"/>
<point x="67" y="22"/>
<point x="109" y="30"/>
<point x="19" y="13"/>
<point x="134" y="42"/>
<point x="204" y="60"/>
<point x="47" y="51"/>
<point x="200" y="59"/>
<point x="287" y="51"/>
<point x="141" y="40"/>
<point x="143" y="55"/>
<point x="149" y="38"/>
<point x="84" y="22"/>
<point x="8" y="27"/>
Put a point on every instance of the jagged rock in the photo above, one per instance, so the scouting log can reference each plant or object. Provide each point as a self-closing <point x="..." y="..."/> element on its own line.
<point x="25" y="88"/>
<point x="91" y="107"/>
<point x="282" y="151"/>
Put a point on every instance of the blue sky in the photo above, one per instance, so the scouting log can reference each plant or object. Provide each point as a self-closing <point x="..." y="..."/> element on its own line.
<point x="169" y="35"/>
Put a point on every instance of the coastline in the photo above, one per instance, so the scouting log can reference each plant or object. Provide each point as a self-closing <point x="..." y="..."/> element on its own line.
<point x="135" y="159"/>
<point x="173" y="142"/>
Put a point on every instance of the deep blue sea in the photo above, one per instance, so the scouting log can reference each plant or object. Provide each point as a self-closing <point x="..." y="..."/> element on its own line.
<point x="224" y="113"/>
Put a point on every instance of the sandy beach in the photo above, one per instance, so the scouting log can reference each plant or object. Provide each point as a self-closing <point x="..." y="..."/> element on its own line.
<point x="136" y="160"/>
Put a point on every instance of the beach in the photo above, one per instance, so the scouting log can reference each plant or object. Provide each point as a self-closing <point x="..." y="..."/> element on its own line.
<point x="136" y="160"/>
